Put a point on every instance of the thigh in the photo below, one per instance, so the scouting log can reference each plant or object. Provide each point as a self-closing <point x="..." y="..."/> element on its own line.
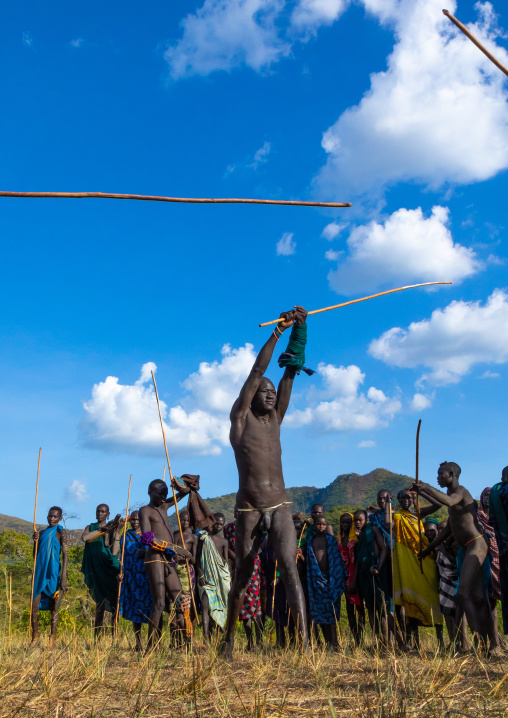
<point x="248" y="535"/>
<point x="173" y="585"/>
<point x="471" y="574"/>
<point x="282" y="535"/>
<point x="155" y="571"/>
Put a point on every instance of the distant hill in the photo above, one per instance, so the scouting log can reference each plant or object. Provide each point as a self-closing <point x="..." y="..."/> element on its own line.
<point x="26" y="527"/>
<point x="346" y="490"/>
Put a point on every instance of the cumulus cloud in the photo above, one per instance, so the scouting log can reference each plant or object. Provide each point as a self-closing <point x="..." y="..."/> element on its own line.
<point x="286" y="245"/>
<point x="368" y="444"/>
<point x="124" y="417"/>
<point x="341" y="406"/>
<point x="309" y="15"/>
<point x="223" y="34"/>
<point x="406" y="248"/>
<point x="436" y="115"/>
<point x="452" y="341"/>
<point x="332" y="230"/>
<point x="76" y="491"/>
<point x="420" y="402"/>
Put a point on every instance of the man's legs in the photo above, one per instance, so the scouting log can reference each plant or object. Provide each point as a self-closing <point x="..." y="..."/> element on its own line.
<point x="155" y="566"/>
<point x="55" y="606"/>
<point x="247" y="541"/>
<point x="283" y="539"/>
<point x="470" y="595"/>
<point x="34" y="618"/>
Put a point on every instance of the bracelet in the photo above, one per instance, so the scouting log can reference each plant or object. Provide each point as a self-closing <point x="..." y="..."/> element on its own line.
<point x="277" y="333"/>
<point x="277" y="337"/>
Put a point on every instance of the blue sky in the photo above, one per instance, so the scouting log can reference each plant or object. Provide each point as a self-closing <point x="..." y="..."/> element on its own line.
<point x="377" y="102"/>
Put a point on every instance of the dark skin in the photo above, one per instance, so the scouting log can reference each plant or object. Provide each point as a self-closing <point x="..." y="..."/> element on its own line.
<point x="463" y="525"/>
<point x="190" y="539"/>
<point x="111" y="531"/>
<point x="162" y="577"/>
<point x="134" y="522"/>
<point x="221" y="545"/>
<point x="53" y="518"/>
<point x="320" y="551"/>
<point x="356" y="626"/>
<point x="317" y="511"/>
<point x="256" y="417"/>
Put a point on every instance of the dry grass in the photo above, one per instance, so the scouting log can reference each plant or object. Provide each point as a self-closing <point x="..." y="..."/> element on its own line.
<point x="78" y="679"/>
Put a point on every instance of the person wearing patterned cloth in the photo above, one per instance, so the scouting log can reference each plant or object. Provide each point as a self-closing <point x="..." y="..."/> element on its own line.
<point x="498" y="514"/>
<point x="251" y="609"/>
<point x="135" y="598"/>
<point x="326" y="576"/>
<point x="214" y="579"/>
<point x="354" y="606"/>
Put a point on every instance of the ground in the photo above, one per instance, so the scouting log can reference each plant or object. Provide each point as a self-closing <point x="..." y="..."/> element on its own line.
<point x="80" y="680"/>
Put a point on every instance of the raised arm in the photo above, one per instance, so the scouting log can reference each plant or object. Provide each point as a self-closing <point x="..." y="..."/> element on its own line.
<point x="241" y="405"/>
<point x="286" y="383"/>
<point x="179" y="495"/>
<point x="88" y="535"/>
<point x="432" y="494"/>
<point x="434" y="505"/>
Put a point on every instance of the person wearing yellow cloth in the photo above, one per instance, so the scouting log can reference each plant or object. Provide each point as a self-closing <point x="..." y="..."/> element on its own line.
<point x="416" y="594"/>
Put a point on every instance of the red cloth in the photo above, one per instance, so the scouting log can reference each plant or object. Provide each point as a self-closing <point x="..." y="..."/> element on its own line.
<point x="200" y="516"/>
<point x="252" y="601"/>
<point x="348" y="555"/>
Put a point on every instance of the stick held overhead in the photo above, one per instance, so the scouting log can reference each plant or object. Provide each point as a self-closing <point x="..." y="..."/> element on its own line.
<point x="475" y="41"/>
<point x="355" y="301"/>
<point x="183" y="200"/>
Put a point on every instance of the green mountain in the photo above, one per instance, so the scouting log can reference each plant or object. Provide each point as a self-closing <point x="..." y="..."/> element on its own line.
<point x="346" y="490"/>
<point x="26" y="527"/>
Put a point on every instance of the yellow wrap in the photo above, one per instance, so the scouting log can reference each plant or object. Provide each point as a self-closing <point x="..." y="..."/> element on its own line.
<point x="418" y="592"/>
<point x="353" y="536"/>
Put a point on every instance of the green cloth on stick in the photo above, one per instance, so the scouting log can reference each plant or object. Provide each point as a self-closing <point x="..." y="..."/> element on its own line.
<point x="100" y="570"/>
<point x="294" y="356"/>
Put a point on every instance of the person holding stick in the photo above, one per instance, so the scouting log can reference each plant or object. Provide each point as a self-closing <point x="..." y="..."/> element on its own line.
<point x="161" y="556"/>
<point x="213" y="577"/>
<point x="100" y="566"/>
<point x="50" y="573"/>
<point x="262" y="501"/>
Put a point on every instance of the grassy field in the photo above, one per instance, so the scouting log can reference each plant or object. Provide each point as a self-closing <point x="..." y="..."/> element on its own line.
<point x="79" y="679"/>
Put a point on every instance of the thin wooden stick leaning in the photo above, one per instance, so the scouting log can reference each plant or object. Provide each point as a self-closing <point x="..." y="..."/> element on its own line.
<point x="36" y="542"/>
<point x="183" y="200"/>
<point x="417" y="481"/>
<point x="123" y="554"/>
<point x="476" y="42"/>
<point x="355" y="301"/>
<point x="174" y="497"/>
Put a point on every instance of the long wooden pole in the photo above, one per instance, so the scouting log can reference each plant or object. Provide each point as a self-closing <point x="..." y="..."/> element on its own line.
<point x="417" y="481"/>
<point x="355" y="301"/>
<point x="174" y="497"/>
<point x="476" y="42"/>
<point x="298" y="546"/>
<point x="156" y="198"/>
<point x="36" y="547"/>
<point x="123" y="554"/>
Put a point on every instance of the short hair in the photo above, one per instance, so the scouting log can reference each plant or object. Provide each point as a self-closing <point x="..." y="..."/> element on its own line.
<point x="103" y="505"/>
<point x="56" y="508"/>
<point x="403" y="491"/>
<point x="184" y="512"/>
<point x="361" y="511"/>
<point x="321" y="518"/>
<point x="154" y="483"/>
<point x="451" y="467"/>
<point x="219" y="515"/>
<point x="344" y="515"/>
<point x="387" y="491"/>
<point x="315" y="505"/>
<point x="504" y="471"/>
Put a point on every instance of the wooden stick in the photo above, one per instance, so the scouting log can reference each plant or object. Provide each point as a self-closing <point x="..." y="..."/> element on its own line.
<point x="391" y="553"/>
<point x="174" y="497"/>
<point x="417" y="481"/>
<point x="156" y="198"/>
<point x="299" y="542"/>
<point x="355" y="301"/>
<point x="36" y="542"/>
<point x="123" y="554"/>
<point x="476" y="42"/>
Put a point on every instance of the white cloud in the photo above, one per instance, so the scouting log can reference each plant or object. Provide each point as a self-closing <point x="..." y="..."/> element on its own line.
<point x="406" y="249"/>
<point x="76" y="491"/>
<point x="452" y="341"/>
<point x="332" y="255"/>
<point x="286" y="245"/>
<point x="368" y="444"/>
<point x="421" y="402"/>
<point x="77" y="42"/>
<point x="124" y="417"/>
<point x="253" y="163"/>
<point x="343" y="407"/>
<point x="436" y="115"/>
<point x="332" y="230"/>
<point x="490" y="375"/>
<point x="309" y="15"/>
<point x="223" y="34"/>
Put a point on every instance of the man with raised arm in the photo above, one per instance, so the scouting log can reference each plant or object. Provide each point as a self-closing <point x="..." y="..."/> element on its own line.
<point x="262" y="501"/>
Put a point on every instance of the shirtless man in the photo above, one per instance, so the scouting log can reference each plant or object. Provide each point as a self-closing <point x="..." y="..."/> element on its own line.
<point x="471" y="596"/>
<point x="206" y="575"/>
<point x="159" y="565"/>
<point x="262" y="500"/>
<point x="189" y="538"/>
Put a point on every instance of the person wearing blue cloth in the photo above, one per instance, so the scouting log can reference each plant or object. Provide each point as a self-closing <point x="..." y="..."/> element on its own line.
<point x="50" y="579"/>
<point x="326" y="579"/>
<point x="498" y="510"/>
<point x="135" y="598"/>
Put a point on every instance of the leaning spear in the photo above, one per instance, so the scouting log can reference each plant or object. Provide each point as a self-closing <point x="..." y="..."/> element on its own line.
<point x="36" y="543"/>
<point x="174" y="495"/>
<point x="123" y="554"/>
<point x="417" y="481"/>
<point x="476" y="42"/>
